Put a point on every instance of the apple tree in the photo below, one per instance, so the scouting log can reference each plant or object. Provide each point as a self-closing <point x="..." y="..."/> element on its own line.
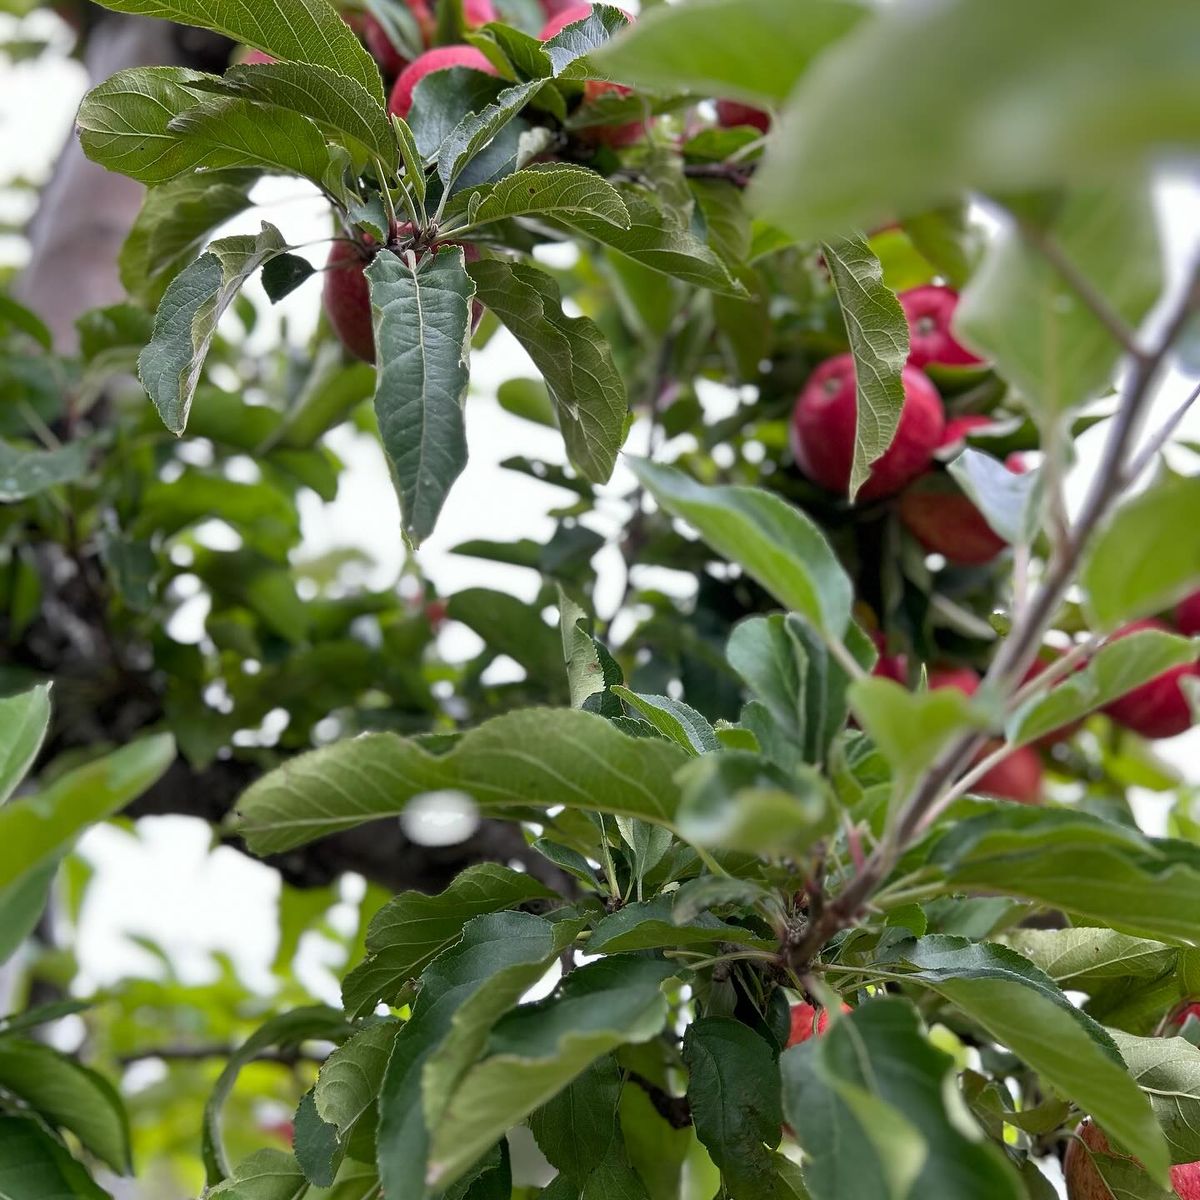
<point x="801" y="857"/>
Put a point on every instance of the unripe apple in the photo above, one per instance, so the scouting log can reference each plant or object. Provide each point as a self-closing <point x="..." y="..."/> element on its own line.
<point x="823" y="429"/>
<point x="1084" y="1181"/>
<point x="441" y="58"/>
<point x="803" y="1016"/>
<point x="1187" y="615"/>
<point x="616" y="136"/>
<point x="391" y="61"/>
<point x="731" y="114"/>
<point x="929" y="310"/>
<point x="1017" y="776"/>
<point x="347" y="294"/>
<point x="1159" y="708"/>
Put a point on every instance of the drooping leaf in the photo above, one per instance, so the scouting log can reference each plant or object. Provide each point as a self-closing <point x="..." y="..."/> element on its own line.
<point x="68" y="1096"/>
<point x="174" y="223"/>
<point x="914" y="150"/>
<point x="575" y="1128"/>
<point x="878" y="332"/>
<point x="421" y="312"/>
<point x="538" y="1049"/>
<point x="1118" y="667"/>
<point x="303" y="31"/>
<point x="775" y="543"/>
<point x="1009" y="501"/>
<point x="529" y="759"/>
<point x="753" y="50"/>
<point x="22" y="905"/>
<point x="23" y="722"/>
<point x="27" y="472"/>
<point x="1168" y="1072"/>
<point x="570" y="50"/>
<point x="347" y="1087"/>
<point x="38" y="829"/>
<point x="510" y="626"/>
<point x="1147" y="556"/>
<point x="476" y="130"/>
<point x="489" y="945"/>
<point x="282" y="275"/>
<point x="412" y="929"/>
<point x="1023" y="1010"/>
<point x="1021" y="312"/>
<point x="285" y="1029"/>
<point x="1079" y="959"/>
<point x="186" y="321"/>
<point x="873" y="1082"/>
<point x="33" y="1166"/>
<point x="315" y="1143"/>
<point x="1094" y="869"/>
<point x="574" y="357"/>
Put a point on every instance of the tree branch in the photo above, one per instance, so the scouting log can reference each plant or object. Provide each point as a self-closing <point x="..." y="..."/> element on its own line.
<point x="675" y="1110"/>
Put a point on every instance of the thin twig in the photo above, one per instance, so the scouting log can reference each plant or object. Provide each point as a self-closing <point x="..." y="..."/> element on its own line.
<point x="1155" y="443"/>
<point x="286" y="1058"/>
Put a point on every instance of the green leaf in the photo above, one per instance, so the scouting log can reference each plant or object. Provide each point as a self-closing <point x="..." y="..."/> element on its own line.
<point x="339" y="104"/>
<point x="528" y="399"/>
<point x="24" y="719"/>
<point x="33" y="1166"/>
<point x="124" y="123"/>
<point x="1080" y="959"/>
<point x="490" y="944"/>
<point x="752" y="50"/>
<point x="412" y="929"/>
<point x="1022" y="1009"/>
<point x="911" y="728"/>
<point x="878" y="332"/>
<point x="68" y="1096"/>
<point x="421" y="311"/>
<point x="575" y="1129"/>
<point x="25" y="473"/>
<point x="875" y="1106"/>
<point x="1168" y="1072"/>
<point x="28" y="322"/>
<point x="1093" y="869"/>
<point x="510" y="626"/>
<point x="655" y="925"/>
<point x="591" y="670"/>
<point x="1106" y="102"/>
<point x="775" y="543"/>
<point x="550" y="188"/>
<point x="1147" y="556"/>
<point x="284" y="1030"/>
<point x="538" y="1049"/>
<point x="734" y="1095"/>
<point x="476" y="130"/>
<point x="281" y="276"/>
<point x="570" y="48"/>
<point x="174" y="223"/>
<point x="1021" y="312"/>
<point x="796" y="680"/>
<point x="315" y="1143"/>
<point x="1118" y="667"/>
<point x="232" y="132"/>
<point x="21" y="907"/>
<point x="444" y="98"/>
<point x="674" y="720"/>
<point x="303" y="31"/>
<point x="573" y="356"/>
<point x="350" y="1078"/>
<point x="1009" y="501"/>
<point x="738" y="800"/>
<point x="38" y="829"/>
<point x="264" y="1175"/>
<point x="536" y="758"/>
<point x="656" y="238"/>
<point x="186" y="321"/>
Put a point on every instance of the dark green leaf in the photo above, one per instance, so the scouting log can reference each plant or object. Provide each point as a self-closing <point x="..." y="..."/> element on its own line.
<point x="33" y="1166"/>
<point x="575" y="1129"/>
<point x="674" y="720"/>
<point x="315" y="1143"/>
<point x="654" y="925"/>
<point x="23" y="722"/>
<point x="550" y="188"/>
<point x="283" y="275"/>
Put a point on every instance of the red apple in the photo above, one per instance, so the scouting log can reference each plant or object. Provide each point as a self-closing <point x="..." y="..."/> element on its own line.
<point x="889" y="666"/>
<point x="391" y="61"/>
<point x="731" y="114"/>
<point x="1187" y="615"/>
<point x="1159" y="708"/>
<point x="823" y="428"/>
<point x="1017" y="776"/>
<point x="803" y="1016"/>
<point x="439" y="59"/>
<point x="957" y="428"/>
<point x="930" y="310"/>
<point x="1191" y="1010"/>
<point x="565" y="16"/>
<point x="1084" y="1181"/>
<point x="256" y="58"/>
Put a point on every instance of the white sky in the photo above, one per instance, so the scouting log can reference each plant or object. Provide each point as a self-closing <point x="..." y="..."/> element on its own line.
<point x="166" y="882"/>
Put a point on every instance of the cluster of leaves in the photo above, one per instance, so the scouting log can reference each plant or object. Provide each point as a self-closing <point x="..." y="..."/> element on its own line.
<point x="716" y="782"/>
